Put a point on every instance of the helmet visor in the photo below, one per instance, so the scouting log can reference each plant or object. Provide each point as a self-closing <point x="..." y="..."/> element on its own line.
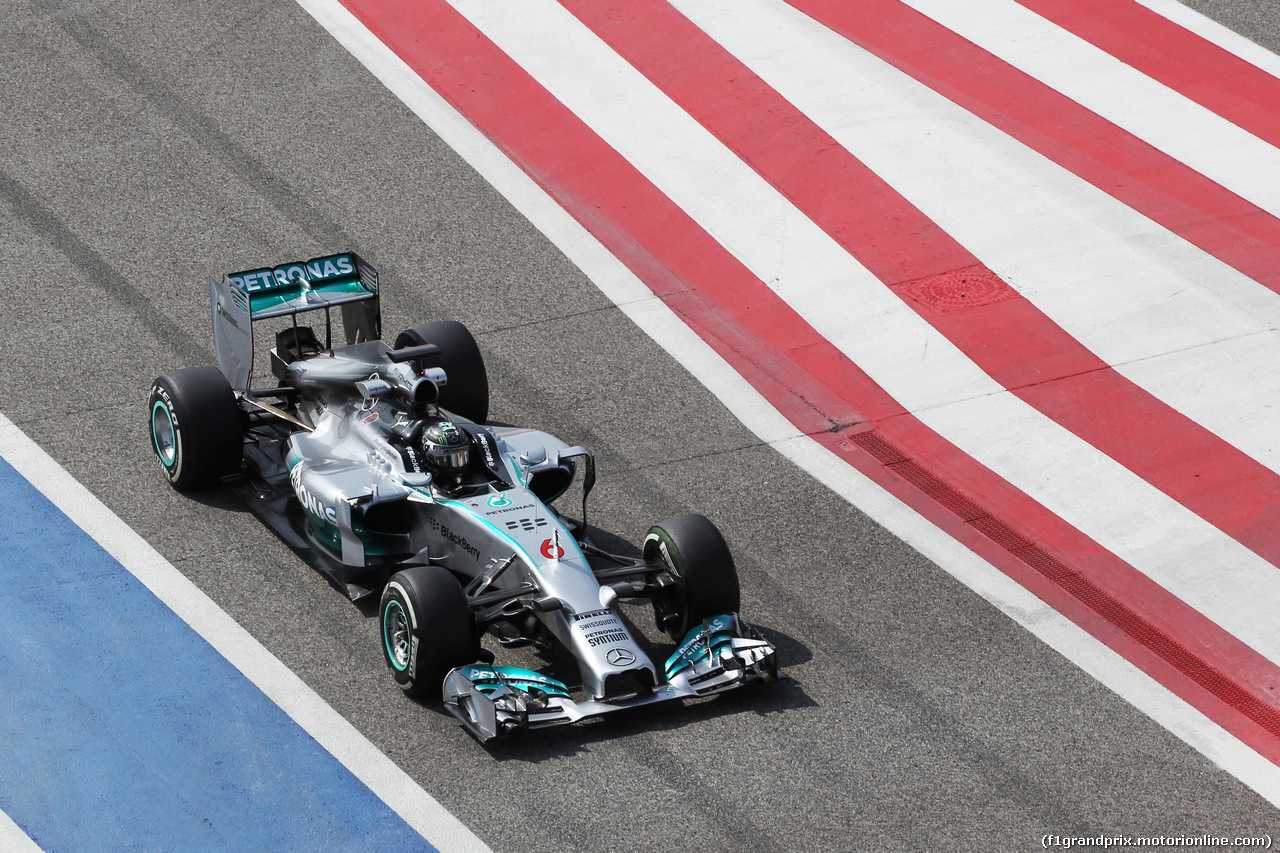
<point x="448" y="458"/>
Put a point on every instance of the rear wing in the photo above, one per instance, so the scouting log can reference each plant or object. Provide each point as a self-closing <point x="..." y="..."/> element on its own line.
<point x="239" y="300"/>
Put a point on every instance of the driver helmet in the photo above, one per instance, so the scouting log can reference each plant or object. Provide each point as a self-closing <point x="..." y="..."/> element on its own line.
<point x="446" y="448"/>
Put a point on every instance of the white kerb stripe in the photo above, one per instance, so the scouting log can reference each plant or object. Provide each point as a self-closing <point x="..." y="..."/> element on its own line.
<point x="1140" y="298"/>
<point x="386" y="780"/>
<point x="899" y="350"/>
<point x="660" y="323"/>
<point x="1148" y="109"/>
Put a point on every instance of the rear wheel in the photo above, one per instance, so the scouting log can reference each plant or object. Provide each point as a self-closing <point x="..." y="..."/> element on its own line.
<point x="427" y="629"/>
<point x="466" y="391"/>
<point x="195" y="427"/>
<point x="704" y="577"/>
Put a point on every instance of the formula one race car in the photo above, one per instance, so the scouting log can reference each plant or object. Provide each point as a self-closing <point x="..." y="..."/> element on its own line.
<point x="376" y="462"/>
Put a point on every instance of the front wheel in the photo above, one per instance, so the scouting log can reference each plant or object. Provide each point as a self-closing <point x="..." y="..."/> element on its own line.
<point x="697" y="561"/>
<point x="427" y="629"/>
<point x="195" y="427"/>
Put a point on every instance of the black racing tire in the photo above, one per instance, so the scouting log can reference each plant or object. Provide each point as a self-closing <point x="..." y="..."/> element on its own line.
<point x="697" y="559"/>
<point x="195" y="426"/>
<point x="426" y="629"/>
<point x="466" y="391"/>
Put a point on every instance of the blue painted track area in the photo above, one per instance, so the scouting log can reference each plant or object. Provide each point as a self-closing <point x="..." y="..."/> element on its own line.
<point x="122" y="729"/>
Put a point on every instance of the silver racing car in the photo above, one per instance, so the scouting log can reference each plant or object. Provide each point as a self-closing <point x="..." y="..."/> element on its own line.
<point x="377" y="462"/>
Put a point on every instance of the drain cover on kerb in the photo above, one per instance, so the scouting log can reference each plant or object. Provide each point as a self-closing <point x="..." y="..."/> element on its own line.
<point x="956" y="290"/>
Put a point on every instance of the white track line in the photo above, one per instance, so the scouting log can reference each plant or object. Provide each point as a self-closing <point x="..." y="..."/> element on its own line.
<point x="852" y="309"/>
<point x="661" y="324"/>
<point x="329" y="728"/>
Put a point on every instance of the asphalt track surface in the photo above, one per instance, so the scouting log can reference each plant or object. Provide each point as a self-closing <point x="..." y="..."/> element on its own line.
<point x="149" y="145"/>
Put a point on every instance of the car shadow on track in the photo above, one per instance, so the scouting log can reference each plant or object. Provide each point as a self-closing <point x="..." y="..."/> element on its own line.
<point x="224" y="497"/>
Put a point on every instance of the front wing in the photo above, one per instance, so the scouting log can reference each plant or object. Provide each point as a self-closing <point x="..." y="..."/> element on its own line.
<point x="720" y="654"/>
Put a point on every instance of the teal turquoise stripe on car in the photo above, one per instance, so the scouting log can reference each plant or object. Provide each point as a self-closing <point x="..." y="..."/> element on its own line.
<point x="567" y="543"/>
<point x="500" y="534"/>
<point x="515" y="466"/>
<point x="489" y="678"/>
<point x="269" y="299"/>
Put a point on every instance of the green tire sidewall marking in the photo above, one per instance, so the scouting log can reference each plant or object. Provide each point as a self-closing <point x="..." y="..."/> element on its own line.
<point x="667" y="551"/>
<point x="172" y="456"/>
<point x="386" y="634"/>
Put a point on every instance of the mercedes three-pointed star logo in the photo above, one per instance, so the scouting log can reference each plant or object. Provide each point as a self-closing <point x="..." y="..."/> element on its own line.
<point x="618" y="656"/>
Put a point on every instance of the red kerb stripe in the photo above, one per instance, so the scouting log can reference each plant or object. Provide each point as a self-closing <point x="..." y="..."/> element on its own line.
<point x="1215" y="78"/>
